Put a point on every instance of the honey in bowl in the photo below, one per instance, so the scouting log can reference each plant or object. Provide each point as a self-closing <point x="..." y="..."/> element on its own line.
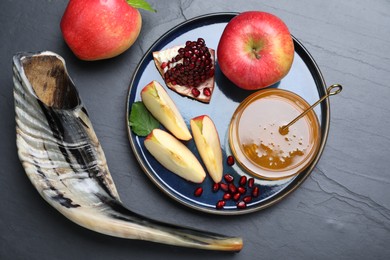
<point x="258" y="143"/>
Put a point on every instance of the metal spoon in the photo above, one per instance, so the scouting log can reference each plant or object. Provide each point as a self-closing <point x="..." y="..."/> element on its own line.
<point x="283" y="130"/>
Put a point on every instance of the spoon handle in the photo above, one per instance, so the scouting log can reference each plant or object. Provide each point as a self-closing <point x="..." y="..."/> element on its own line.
<point x="332" y="90"/>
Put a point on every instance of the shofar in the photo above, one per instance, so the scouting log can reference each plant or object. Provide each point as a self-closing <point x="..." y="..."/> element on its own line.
<point x="63" y="159"/>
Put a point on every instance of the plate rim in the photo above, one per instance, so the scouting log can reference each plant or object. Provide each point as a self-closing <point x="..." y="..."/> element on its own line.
<point x="291" y="187"/>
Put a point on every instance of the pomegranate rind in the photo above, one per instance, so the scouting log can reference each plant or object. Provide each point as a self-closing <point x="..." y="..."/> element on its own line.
<point x="166" y="55"/>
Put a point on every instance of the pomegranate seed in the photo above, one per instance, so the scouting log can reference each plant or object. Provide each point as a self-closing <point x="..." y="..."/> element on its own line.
<point x="164" y="65"/>
<point x="207" y="92"/>
<point x="255" y="192"/>
<point x="220" y="204"/>
<point x="232" y="188"/>
<point x="247" y="199"/>
<point x="227" y="196"/>
<point x="251" y="182"/>
<point x="215" y="187"/>
<point x="241" y="190"/>
<point x="228" y="178"/>
<point x="224" y="187"/>
<point x="195" y="92"/>
<point x="242" y="181"/>
<point x="230" y="160"/>
<point x="198" y="192"/>
<point x="200" y="41"/>
<point x="236" y="196"/>
<point x="241" y="205"/>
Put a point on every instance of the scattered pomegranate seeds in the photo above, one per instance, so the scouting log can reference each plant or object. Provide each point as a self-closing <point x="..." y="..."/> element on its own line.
<point x="232" y="188"/>
<point x="247" y="199"/>
<point x="241" y="205"/>
<point x="215" y="187"/>
<point x="198" y="192"/>
<point x="227" y="196"/>
<point x="255" y="192"/>
<point x="236" y="196"/>
<point x="220" y="204"/>
<point x="241" y="190"/>
<point x="251" y="182"/>
<point x="242" y="194"/>
<point x="242" y="181"/>
<point x="224" y="186"/>
<point x="230" y="160"/>
<point x="228" y="178"/>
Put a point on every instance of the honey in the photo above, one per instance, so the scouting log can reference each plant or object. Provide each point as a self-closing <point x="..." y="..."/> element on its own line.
<point x="258" y="144"/>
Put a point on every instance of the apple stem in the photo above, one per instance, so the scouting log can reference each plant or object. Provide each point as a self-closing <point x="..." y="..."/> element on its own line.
<point x="257" y="55"/>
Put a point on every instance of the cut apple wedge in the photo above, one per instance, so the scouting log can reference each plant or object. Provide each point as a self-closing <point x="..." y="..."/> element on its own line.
<point x="174" y="156"/>
<point x="193" y="65"/>
<point x="208" y="144"/>
<point x="162" y="107"/>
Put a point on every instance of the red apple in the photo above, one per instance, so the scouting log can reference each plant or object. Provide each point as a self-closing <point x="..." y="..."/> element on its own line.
<point x="256" y="50"/>
<point x="100" y="29"/>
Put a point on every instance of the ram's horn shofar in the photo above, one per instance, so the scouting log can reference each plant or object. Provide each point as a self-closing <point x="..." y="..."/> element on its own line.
<point x="63" y="159"/>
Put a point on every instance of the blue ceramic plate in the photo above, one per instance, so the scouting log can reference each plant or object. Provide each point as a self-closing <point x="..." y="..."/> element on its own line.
<point x="304" y="78"/>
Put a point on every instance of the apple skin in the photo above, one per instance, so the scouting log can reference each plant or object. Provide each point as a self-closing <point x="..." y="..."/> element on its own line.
<point x="208" y="144"/>
<point x="100" y="29"/>
<point x="162" y="107"/>
<point x="174" y="156"/>
<point x="256" y="50"/>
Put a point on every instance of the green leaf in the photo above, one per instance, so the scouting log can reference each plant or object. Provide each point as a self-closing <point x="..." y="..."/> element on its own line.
<point x="140" y="119"/>
<point x="141" y="4"/>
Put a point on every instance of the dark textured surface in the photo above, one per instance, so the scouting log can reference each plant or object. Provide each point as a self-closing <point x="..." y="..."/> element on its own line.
<point x="342" y="211"/>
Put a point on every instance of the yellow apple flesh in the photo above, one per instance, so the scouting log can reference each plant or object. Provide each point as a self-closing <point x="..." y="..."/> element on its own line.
<point x="162" y="107"/>
<point x="174" y="156"/>
<point x="207" y="142"/>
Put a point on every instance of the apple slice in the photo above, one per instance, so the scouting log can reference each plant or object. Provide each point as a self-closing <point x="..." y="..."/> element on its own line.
<point x="162" y="107"/>
<point x="179" y="65"/>
<point x="207" y="142"/>
<point x="174" y="156"/>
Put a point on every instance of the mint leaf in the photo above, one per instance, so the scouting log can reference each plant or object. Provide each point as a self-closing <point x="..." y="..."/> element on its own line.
<point x="141" y="4"/>
<point x="141" y="120"/>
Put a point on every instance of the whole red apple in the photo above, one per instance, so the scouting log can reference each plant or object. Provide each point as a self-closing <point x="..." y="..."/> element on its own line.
<point x="256" y="50"/>
<point x="100" y="29"/>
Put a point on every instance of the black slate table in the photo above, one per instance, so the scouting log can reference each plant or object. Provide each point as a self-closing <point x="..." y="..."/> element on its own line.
<point x="342" y="211"/>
